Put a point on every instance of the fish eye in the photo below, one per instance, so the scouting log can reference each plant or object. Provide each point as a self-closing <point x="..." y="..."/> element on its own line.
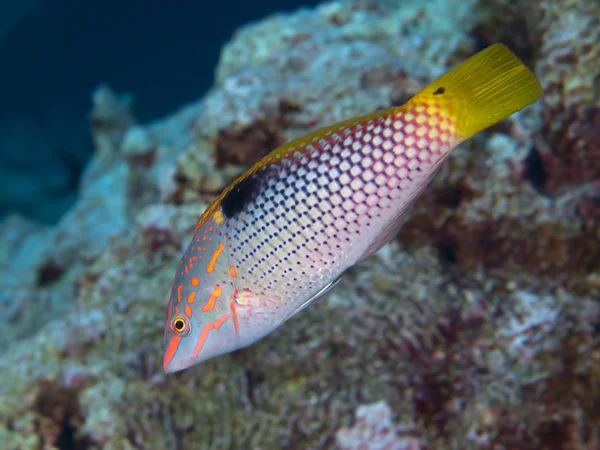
<point x="180" y="326"/>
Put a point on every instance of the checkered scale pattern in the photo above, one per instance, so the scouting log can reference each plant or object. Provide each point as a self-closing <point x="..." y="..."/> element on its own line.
<point x="320" y="208"/>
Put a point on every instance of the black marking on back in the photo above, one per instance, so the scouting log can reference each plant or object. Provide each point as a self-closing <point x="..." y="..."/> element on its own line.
<point x="239" y="196"/>
<point x="440" y="90"/>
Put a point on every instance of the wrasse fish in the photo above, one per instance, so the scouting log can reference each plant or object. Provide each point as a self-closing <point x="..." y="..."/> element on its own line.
<point x="283" y="233"/>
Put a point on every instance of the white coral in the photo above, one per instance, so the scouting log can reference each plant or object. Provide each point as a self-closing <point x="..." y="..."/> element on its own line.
<point x="374" y="430"/>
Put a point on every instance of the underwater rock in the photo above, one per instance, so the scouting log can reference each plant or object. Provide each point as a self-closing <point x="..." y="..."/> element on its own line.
<point x="478" y="326"/>
<point x="569" y="70"/>
<point x="489" y="213"/>
<point x="374" y="430"/>
<point x="248" y="145"/>
<point x="23" y="246"/>
<point x="110" y="119"/>
<point x="315" y="68"/>
<point x="559" y="40"/>
<point x="490" y="209"/>
<point x="139" y="150"/>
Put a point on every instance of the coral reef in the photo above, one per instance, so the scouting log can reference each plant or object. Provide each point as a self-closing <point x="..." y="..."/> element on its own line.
<point x="478" y="326"/>
<point x="560" y="40"/>
<point x="555" y="151"/>
<point x="374" y="430"/>
<point x="569" y="142"/>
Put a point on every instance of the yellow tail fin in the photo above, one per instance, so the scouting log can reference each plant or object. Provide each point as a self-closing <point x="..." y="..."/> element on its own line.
<point x="483" y="90"/>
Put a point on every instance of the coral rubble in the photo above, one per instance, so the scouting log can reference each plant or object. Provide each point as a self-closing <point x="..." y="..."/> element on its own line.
<point x="374" y="430"/>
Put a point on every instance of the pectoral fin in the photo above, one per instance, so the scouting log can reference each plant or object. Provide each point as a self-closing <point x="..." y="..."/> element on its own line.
<point x="315" y="297"/>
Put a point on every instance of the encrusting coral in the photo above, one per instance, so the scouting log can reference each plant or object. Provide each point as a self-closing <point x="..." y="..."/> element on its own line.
<point x="477" y="327"/>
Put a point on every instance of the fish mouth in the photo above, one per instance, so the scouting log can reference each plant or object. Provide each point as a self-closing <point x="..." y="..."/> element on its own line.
<point x="172" y="368"/>
<point x="174" y="365"/>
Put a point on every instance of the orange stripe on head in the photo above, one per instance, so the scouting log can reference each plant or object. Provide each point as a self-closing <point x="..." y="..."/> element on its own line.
<point x="213" y="261"/>
<point x="191" y="297"/>
<point x="194" y="281"/>
<point x="179" y="292"/>
<point x="221" y="320"/>
<point x="232" y="271"/>
<point x="188" y="311"/>
<point x="234" y="314"/>
<point x="171" y="350"/>
<point x="204" y="334"/>
<point x="210" y="304"/>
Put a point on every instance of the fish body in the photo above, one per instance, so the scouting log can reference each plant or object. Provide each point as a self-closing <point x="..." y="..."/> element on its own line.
<point x="283" y="233"/>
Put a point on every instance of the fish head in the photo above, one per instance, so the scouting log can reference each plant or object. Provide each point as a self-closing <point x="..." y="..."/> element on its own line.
<point x="201" y="319"/>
